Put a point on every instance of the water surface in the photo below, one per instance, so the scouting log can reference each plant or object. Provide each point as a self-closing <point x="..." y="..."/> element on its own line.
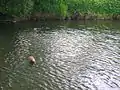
<point x="69" y="55"/>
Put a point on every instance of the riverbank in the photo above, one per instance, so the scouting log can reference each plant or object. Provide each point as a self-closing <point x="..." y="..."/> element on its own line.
<point x="60" y="9"/>
<point x="47" y="16"/>
<point x="75" y="16"/>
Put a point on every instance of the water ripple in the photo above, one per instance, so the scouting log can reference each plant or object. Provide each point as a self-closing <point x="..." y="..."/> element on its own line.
<point x="67" y="59"/>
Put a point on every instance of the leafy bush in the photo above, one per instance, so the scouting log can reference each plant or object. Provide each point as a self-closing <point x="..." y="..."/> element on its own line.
<point x="17" y="7"/>
<point x="59" y="7"/>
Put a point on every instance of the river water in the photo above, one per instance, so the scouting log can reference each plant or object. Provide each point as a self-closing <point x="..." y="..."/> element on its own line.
<point x="69" y="55"/>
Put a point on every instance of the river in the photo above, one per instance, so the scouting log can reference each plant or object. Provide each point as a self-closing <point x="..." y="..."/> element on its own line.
<point x="74" y="55"/>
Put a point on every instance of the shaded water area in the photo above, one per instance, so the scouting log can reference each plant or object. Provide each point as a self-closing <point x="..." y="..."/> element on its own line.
<point x="69" y="55"/>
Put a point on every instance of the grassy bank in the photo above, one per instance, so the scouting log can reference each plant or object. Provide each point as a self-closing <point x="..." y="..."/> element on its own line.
<point x="61" y="9"/>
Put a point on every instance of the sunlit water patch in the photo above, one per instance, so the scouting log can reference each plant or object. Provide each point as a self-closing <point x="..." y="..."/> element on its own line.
<point x="67" y="59"/>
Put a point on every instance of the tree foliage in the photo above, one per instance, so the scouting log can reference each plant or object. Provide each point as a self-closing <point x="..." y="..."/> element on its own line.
<point x="59" y="7"/>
